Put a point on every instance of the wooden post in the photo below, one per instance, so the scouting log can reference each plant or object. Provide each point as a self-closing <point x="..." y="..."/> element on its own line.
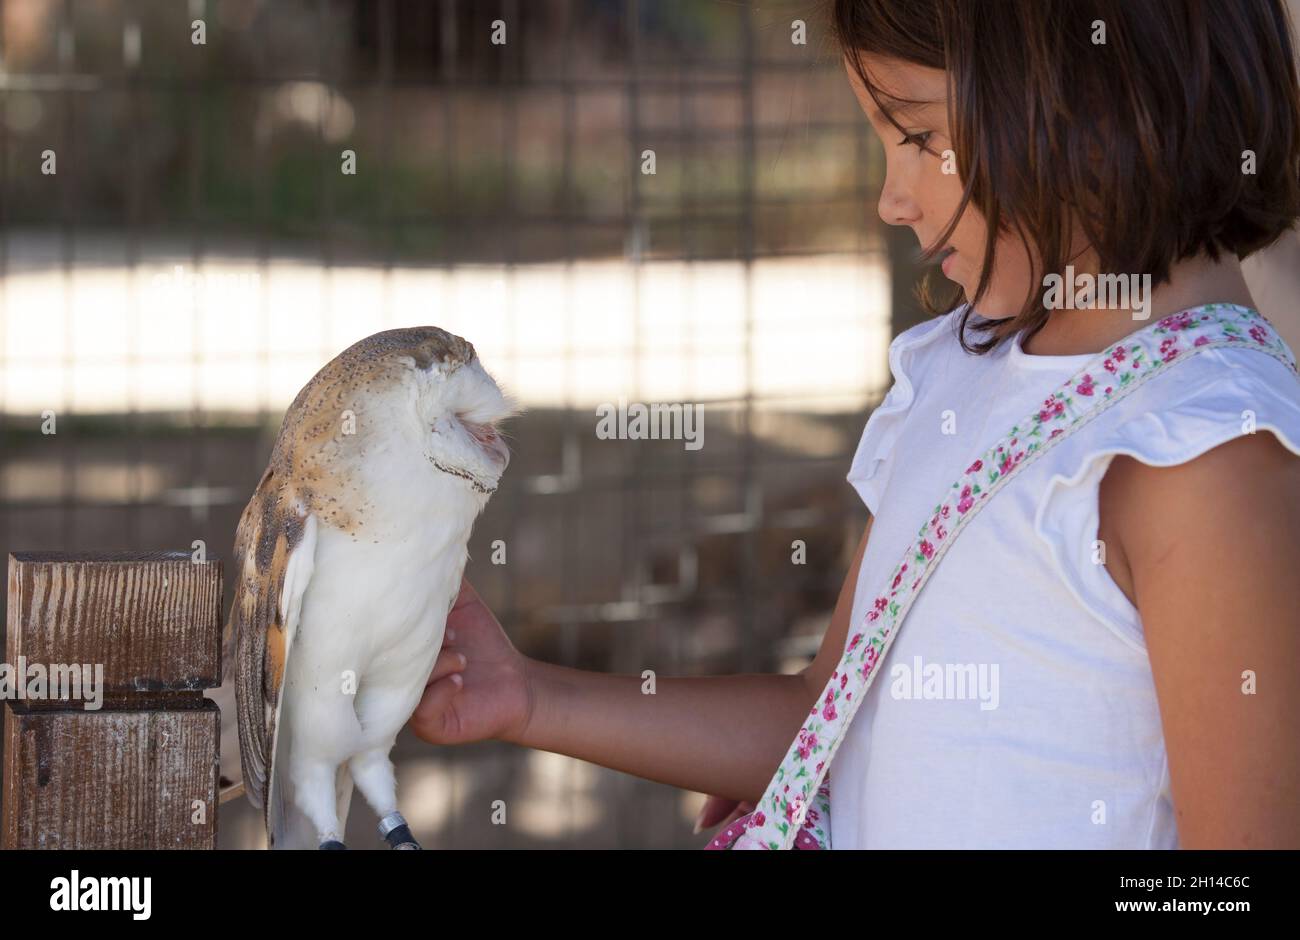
<point x="140" y="771"/>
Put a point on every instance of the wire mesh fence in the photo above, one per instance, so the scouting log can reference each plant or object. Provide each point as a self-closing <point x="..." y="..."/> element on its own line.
<point x="614" y="201"/>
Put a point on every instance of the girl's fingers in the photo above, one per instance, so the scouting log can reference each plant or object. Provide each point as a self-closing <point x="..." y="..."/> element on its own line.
<point x="466" y="596"/>
<point x="448" y="662"/>
<point x="435" y="700"/>
<point x="716" y="809"/>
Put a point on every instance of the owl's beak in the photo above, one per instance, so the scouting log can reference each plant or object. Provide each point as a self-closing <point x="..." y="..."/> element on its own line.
<point x="490" y="441"/>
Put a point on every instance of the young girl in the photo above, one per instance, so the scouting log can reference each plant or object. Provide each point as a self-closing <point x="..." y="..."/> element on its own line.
<point x="1128" y="602"/>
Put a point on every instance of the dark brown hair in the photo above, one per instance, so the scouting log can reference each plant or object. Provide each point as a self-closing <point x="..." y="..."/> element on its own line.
<point x="1138" y="140"/>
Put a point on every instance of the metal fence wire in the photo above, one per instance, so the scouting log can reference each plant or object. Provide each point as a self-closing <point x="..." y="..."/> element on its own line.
<point x="648" y="201"/>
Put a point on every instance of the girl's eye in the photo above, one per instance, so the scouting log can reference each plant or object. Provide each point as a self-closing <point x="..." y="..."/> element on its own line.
<point x="917" y="140"/>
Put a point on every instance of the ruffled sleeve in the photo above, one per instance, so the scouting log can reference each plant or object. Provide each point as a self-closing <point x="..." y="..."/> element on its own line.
<point x="872" y="463"/>
<point x="1205" y="402"/>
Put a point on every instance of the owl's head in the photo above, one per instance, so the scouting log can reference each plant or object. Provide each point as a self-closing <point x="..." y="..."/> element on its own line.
<point x="424" y="389"/>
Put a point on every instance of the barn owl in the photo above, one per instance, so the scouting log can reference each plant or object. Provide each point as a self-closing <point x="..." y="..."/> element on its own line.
<point x="348" y="559"/>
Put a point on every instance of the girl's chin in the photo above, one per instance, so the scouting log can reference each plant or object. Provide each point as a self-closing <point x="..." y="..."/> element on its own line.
<point x="992" y="307"/>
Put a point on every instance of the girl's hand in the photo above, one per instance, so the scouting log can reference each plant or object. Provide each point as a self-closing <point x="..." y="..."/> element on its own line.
<point x="720" y="811"/>
<point x="479" y="686"/>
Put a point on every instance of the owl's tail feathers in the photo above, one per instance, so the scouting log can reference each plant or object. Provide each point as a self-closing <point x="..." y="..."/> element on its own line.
<point x="290" y="826"/>
<point x="287" y="825"/>
<point x="295" y="831"/>
<point x="230" y="783"/>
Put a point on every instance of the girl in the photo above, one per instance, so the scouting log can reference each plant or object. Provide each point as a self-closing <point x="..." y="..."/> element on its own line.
<point x="1128" y="604"/>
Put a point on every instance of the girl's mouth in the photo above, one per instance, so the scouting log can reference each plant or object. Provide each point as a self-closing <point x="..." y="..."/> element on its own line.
<point x="945" y="262"/>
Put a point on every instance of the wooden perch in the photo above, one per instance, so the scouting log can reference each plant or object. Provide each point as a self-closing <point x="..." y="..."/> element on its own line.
<point x="128" y="756"/>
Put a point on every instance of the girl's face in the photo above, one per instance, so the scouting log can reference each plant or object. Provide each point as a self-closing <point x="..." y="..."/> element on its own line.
<point x="922" y="189"/>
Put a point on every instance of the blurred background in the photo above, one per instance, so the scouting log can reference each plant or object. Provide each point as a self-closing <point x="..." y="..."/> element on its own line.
<point x="655" y="201"/>
<point x="199" y="253"/>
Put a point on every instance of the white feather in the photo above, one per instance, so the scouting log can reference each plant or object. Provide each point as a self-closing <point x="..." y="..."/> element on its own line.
<point x="297" y="577"/>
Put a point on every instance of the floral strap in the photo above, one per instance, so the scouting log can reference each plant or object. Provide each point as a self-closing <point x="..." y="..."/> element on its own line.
<point x="794" y="810"/>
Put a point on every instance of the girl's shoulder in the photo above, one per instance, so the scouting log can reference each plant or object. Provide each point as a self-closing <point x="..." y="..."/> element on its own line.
<point x="1143" y="503"/>
<point x="1228" y="419"/>
<point x="1223" y="423"/>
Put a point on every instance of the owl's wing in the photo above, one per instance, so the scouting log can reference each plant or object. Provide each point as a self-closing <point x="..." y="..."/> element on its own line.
<point x="275" y="549"/>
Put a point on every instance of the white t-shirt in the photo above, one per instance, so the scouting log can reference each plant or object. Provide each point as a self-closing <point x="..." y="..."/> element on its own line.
<point x="1017" y="708"/>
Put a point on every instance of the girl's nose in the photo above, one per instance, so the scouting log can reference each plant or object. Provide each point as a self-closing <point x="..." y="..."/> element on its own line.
<point x="895" y="206"/>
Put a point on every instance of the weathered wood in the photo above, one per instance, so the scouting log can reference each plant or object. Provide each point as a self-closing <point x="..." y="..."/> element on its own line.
<point x="136" y="764"/>
<point x="152" y="619"/>
<point x="111" y="779"/>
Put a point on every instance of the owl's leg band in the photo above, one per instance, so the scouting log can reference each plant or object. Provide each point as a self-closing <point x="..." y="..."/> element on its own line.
<point x="396" y="832"/>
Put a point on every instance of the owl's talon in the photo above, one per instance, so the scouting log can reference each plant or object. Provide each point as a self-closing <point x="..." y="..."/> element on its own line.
<point x="332" y="845"/>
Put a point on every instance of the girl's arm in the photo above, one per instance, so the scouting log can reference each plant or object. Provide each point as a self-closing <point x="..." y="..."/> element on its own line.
<point x="1214" y="549"/>
<point x="714" y="734"/>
